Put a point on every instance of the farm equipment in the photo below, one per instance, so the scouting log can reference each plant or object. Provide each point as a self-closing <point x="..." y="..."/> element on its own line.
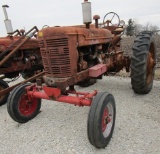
<point x="143" y="62"/>
<point x="19" y="53"/>
<point x="79" y="55"/>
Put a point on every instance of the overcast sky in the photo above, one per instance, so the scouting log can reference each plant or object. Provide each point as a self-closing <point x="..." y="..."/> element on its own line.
<point x="28" y="13"/>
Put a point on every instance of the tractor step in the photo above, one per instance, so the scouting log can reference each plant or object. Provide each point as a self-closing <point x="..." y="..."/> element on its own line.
<point x="97" y="70"/>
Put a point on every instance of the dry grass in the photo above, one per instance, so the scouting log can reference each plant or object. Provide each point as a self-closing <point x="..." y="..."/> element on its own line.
<point x="157" y="74"/>
<point x="123" y="73"/>
<point x="127" y="43"/>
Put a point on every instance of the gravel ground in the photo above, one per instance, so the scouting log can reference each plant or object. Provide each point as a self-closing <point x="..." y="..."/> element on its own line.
<point x="62" y="128"/>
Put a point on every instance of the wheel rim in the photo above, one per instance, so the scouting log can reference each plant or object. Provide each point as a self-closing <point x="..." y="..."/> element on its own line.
<point x="1" y="97"/>
<point x="150" y="64"/>
<point x="107" y="120"/>
<point x="26" y="107"/>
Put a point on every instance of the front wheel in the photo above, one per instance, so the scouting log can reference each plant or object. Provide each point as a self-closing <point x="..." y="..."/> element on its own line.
<point x="3" y="98"/>
<point x="19" y="107"/>
<point x="101" y="119"/>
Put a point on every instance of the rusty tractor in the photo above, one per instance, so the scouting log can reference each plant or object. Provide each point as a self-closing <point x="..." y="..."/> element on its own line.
<point x="19" y="54"/>
<point x="79" y="55"/>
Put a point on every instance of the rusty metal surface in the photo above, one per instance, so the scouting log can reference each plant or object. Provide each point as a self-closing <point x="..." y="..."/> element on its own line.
<point x="82" y="36"/>
<point x="10" y="42"/>
<point x="20" y="44"/>
<point x="62" y="83"/>
<point x="59" y="47"/>
<point x="57" y="57"/>
<point x="13" y="51"/>
<point x="151" y="62"/>
<point x="6" y="42"/>
<point x="19" y="53"/>
<point x="13" y="68"/>
<point x="19" y="65"/>
<point x="69" y="52"/>
<point x="97" y="70"/>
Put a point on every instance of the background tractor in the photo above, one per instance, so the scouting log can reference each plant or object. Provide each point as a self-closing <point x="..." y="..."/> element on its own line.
<point x="79" y="55"/>
<point x="19" y="54"/>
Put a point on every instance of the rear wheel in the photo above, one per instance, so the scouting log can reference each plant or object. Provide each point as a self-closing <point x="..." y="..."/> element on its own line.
<point x="20" y="108"/>
<point x="143" y="62"/>
<point x="101" y="119"/>
<point x="3" y="98"/>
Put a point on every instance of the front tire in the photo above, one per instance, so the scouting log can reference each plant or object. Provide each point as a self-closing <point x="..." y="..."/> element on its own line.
<point x="20" y="108"/>
<point x="143" y="61"/>
<point x="101" y="119"/>
<point x="3" y="98"/>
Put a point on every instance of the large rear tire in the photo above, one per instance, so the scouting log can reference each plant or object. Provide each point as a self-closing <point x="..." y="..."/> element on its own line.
<point x="143" y="62"/>
<point x="101" y="119"/>
<point x="3" y="98"/>
<point x="19" y="107"/>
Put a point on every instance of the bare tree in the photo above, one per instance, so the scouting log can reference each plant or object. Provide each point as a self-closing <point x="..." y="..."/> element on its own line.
<point x="147" y="27"/>
<point x="138" y="28"/>
<point x="154" y="28"/>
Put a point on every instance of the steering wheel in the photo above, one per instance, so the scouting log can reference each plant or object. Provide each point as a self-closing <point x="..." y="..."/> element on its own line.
<point x="114" y="19"/>
<point x="45" y="26"/>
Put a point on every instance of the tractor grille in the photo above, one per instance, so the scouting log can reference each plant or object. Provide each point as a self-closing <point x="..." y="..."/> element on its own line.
<point x="55" y="56"/>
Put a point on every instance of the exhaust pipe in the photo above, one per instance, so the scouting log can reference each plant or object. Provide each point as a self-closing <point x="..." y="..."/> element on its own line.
<point x="7" y="22"/>
<point x="87" y="13"/>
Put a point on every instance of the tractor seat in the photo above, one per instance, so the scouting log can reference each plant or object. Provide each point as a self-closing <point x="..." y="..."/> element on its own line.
<point x="118" y="30"/>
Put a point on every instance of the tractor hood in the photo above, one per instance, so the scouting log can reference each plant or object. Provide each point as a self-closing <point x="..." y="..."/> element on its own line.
<point x="82" y="35"/>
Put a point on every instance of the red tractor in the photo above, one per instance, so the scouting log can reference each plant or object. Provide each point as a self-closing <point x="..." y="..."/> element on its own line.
<point x="19" y="54"/>
<point x="79" y="55"/>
